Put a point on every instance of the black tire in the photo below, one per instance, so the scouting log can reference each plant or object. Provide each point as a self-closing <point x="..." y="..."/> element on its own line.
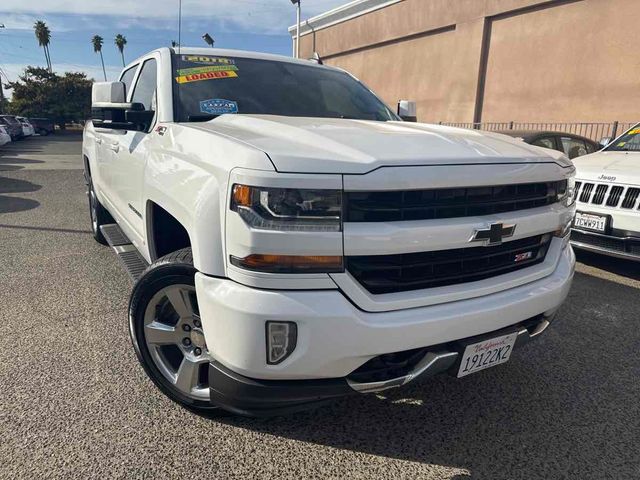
<point x="173" y="270"/>
<point x="98" y="215"/>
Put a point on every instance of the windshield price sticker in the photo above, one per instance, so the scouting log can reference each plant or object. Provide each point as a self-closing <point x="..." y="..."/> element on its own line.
<point x="214" y="68"/>
<point x="196" y="77"/>
<point x="218" y="106"/>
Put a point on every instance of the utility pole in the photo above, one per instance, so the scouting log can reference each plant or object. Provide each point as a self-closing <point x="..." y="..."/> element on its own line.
<point x="297" y="3"/>
<point x="2" y="99"/>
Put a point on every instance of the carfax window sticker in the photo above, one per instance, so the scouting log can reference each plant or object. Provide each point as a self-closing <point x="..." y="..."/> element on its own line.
<point x="196" y="77"/>
<point x="218" y="106"/>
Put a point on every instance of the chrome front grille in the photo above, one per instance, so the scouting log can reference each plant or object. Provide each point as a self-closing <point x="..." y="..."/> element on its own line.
<point x="614" y="196"/>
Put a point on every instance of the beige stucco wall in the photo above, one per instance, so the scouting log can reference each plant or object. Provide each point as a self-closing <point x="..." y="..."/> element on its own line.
<point x="543" y="60"/>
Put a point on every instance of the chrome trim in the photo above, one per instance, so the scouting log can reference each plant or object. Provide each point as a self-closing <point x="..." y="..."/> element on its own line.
<point x="123" y="248"/>
<point x="436" y="362"/>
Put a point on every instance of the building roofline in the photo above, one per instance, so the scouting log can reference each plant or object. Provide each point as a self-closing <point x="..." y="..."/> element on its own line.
<point x="340" y="14"/>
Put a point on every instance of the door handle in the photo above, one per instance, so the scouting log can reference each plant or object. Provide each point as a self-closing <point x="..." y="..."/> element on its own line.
<point x="99" y="141"/>
<point x="115" y="147"/>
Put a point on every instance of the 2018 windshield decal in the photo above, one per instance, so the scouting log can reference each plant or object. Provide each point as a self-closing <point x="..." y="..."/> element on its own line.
<point x="218" y="106"/>
<point x="196" y="77"/>
<point x="207" y="60"/>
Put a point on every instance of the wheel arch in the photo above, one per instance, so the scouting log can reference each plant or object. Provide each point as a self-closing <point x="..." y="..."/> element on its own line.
<point x="164" y="231"/>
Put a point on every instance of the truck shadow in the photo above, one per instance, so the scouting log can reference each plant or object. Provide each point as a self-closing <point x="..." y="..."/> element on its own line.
<point x="565" y="406"/>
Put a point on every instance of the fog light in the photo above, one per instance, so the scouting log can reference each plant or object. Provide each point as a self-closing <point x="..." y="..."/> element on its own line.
<point x="281" y="340"/>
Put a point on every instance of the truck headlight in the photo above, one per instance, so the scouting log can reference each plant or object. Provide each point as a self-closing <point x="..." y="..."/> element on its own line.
<point x="287" y="209"/>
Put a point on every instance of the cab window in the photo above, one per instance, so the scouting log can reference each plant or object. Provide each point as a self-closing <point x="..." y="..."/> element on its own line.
<point x="145" y="89"/>
<point x="127" y="79"/>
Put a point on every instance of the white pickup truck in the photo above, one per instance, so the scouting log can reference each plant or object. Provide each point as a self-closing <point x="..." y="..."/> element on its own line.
<point x="293" y="240"/>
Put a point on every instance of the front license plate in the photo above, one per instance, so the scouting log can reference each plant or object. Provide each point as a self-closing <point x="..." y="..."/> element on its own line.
<point x="590" y="222"/>
<point x="488" y="353"/>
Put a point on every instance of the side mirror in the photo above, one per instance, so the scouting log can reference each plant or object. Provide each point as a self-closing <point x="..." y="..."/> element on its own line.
<point x="407" y="110"/>
<point x="110" y="110"/>
<point x="106" y="93"/>
<point x="604" y="141"/>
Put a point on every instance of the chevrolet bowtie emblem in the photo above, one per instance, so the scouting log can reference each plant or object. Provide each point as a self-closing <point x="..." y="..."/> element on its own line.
<point x="494" y="234"/>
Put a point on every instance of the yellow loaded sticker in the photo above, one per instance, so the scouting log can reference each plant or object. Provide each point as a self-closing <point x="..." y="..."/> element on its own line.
<point x="205" y="59"/>
<point x="196" y="77"/>
<point x="635" y="131"/>
<point x="215" y="68"/>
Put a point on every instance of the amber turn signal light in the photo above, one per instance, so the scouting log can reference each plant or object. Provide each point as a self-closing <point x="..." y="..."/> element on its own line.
<point x="289" y="263"/>
<point x="241" y="195"/>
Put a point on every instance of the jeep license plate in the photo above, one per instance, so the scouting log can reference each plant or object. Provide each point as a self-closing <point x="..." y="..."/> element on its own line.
<point x="590" y="222"/>
<point x="487" y="353"/>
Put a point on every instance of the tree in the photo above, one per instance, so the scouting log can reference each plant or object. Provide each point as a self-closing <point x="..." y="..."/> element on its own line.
<point x="43" y="34"/>
<point x="120" y="42"/>
<point x="97" y="42"/>
<point x="41" y="93"/>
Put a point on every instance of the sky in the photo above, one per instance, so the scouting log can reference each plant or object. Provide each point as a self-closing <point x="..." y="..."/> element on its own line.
<point x="259" y="25"/>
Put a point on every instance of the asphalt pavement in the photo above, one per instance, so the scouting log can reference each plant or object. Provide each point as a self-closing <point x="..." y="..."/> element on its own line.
<point x="74" y="402"/>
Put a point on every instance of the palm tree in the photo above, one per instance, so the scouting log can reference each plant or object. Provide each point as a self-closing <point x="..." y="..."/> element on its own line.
<point x="97" y="42"/>
<point x="43" y="34"/>
<point x="120" y="42"/>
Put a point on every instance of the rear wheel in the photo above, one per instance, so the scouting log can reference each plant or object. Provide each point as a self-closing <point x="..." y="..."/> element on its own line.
<point x="166" y="331"/>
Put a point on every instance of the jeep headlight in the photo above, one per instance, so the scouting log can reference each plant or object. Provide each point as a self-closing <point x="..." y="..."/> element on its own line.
<point x="288" y="209"/>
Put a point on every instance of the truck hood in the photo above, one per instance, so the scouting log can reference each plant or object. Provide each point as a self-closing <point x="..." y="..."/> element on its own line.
<point x="613" y="167"/>
<point x="322" y="145"/>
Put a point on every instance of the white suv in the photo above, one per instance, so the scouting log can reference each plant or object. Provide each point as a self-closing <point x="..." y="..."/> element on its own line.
<point x="294" y="241"/>
<point x="608" y="197"/>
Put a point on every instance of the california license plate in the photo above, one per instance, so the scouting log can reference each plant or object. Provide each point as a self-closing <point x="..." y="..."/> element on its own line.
<point x="487" y="353"/>
<point x="590" y="221"/>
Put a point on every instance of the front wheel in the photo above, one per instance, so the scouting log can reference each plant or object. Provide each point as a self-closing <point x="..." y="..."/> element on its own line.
<point x="166" y="331"/>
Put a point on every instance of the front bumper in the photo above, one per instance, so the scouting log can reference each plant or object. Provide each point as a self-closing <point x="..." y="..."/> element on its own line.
<point x="254" y="397"/>
<point x="624" y="245"/>
<point x="335" y="337"/>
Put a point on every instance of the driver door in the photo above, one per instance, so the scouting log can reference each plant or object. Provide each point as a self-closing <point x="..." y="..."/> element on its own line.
<point x="130" y="152"/>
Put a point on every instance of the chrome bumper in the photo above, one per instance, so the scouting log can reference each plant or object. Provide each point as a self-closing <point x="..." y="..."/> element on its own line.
<point x="440" y="361"/>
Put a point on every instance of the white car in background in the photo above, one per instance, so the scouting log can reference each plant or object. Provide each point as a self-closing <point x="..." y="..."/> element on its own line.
<point x="608" y="198"/>
<point x="27" y="128"/>
<point x="4" y="136"/>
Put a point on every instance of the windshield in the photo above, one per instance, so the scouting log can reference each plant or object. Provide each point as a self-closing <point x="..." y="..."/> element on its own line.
<point x="629" y="142"/>
<point x="206" y="86"/>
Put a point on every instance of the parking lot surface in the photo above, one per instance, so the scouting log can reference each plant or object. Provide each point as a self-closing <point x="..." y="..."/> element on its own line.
<point x="75" y="403"/>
